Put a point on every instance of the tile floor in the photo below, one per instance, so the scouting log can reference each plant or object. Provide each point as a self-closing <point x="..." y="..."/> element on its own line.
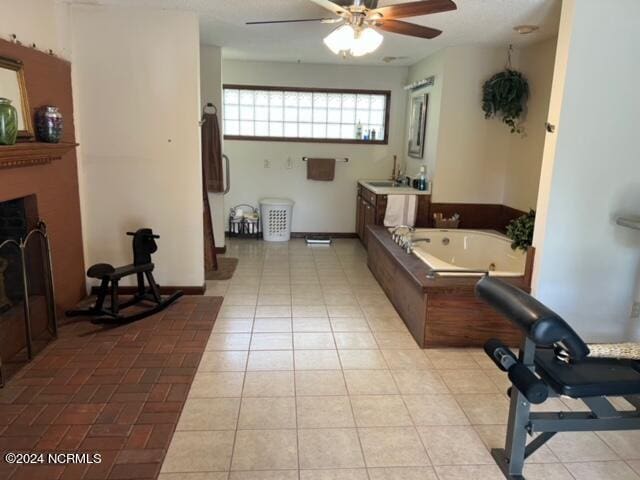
<point x="310" y="374"/>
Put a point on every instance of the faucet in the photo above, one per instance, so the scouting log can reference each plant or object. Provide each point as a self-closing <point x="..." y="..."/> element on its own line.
<point x="397" y="236"/>
<point x="395" y="166"/>
<point x="410" y="243"/>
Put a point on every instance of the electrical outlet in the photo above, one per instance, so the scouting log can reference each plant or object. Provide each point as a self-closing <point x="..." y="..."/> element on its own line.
<point x="635" y="310"/>
<point x="267" y="163"/>
<point x="289" y="163"/>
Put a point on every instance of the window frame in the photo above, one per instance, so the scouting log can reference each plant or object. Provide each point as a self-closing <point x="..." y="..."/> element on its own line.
<point x="387" y="114"/>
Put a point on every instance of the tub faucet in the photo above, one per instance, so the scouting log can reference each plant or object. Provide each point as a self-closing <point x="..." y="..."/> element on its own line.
<point x="410" y="243"/>
<point x="397" y="236"/>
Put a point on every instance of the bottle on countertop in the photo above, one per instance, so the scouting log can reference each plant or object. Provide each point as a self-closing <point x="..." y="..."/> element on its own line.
<point x="422" y="181"/>
<point x="372" y="136"/>
<point x="359" y="131"/>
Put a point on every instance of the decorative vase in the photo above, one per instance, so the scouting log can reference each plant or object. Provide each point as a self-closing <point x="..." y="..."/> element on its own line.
<point x="8" y="122"/>
<point x="49" y="124"/>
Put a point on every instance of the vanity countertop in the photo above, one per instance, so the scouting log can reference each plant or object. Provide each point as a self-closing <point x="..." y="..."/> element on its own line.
<point x="377" y="187"/>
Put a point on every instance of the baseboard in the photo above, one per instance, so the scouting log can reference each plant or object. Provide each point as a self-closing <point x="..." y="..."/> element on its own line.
<point x="325" y="234"/>
<point x="306" y="234"/>
<point x="164" y="290"/>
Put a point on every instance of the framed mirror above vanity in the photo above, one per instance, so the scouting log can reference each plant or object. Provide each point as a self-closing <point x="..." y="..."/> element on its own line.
<point x="418" y="125"/>
<point x="13" y="88"/>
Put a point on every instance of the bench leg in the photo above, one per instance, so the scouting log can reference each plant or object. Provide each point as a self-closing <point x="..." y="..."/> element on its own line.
<point x="511" y="459"/>
<point x="516" y="443"/>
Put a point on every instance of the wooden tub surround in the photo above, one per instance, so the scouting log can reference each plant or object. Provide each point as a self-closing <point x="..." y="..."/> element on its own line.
<point x="440" y="312"/>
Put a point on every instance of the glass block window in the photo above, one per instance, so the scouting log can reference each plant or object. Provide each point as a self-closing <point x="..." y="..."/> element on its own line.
<point x="309" y="115"/>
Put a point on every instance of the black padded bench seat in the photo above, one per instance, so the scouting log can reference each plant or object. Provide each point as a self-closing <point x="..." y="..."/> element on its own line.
<point x="554" y="361"/>
<point x="590" y="377"/>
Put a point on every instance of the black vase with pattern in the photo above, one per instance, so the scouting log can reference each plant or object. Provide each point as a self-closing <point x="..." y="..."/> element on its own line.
<point x="49" y="124"/>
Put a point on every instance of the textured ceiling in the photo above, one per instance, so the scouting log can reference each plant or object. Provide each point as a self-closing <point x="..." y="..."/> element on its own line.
<point x="478" y="22"/>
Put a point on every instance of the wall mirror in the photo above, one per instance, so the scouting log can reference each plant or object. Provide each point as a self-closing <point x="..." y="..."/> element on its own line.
<point x="13" y="87"/>
<point x="418" y="125"/>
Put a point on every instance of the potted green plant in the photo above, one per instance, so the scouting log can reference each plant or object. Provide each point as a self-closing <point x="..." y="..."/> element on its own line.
<point x="506" y="94"/>
<point x="520" y="231"/>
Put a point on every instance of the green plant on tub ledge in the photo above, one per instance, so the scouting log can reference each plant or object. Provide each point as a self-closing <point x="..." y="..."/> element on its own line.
<point x="520" y="231"/>
<point x="506" y="94"/>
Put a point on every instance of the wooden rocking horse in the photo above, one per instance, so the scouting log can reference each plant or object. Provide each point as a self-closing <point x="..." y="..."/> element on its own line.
<point x="144" y="244"/>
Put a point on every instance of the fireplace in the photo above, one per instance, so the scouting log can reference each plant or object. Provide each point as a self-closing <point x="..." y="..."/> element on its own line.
<point x="27" y="311"/>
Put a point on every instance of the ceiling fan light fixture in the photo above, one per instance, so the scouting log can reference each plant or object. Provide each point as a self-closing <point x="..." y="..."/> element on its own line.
<point x="341" y="39"/>
<point x="366" y="41"/>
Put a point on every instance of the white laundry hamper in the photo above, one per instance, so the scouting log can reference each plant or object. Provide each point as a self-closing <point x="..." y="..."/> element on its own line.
<point x="276" y="216"/>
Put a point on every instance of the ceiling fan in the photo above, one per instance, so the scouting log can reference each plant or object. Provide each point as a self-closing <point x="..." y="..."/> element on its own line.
<point x="357" y="35"/>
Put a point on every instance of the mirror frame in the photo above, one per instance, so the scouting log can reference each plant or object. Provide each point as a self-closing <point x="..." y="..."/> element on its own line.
<point x="420" y="131"/>
<point x="18" y="67"/>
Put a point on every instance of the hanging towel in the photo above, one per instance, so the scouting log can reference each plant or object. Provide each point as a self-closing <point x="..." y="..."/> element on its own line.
<point x="321" y="169"/>
<point x="212" y="153"/>
<point x="401" y="210"/>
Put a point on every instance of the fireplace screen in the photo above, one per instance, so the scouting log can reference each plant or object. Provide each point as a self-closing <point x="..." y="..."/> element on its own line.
<point x="27" y="305"/>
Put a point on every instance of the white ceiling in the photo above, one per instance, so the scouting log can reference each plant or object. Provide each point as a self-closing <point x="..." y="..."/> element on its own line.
<point x="478" y="22"/>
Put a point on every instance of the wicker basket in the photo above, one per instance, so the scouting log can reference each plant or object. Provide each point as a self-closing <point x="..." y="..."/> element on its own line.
<point x="449" y="223"/>
<point x="244" y="221"/>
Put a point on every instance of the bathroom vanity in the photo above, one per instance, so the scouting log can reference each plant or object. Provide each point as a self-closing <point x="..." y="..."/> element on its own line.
<point x="371" y="204"/>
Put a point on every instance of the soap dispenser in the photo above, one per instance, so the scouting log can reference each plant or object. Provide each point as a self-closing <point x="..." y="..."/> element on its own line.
<point x="422" y="180"/>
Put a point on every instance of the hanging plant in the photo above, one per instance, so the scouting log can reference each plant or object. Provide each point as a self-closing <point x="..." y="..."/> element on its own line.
<point x="506" y="94"/>
<point x="520" y="231"/>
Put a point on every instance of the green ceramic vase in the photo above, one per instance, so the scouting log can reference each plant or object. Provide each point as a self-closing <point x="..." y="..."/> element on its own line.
<point x="8" y="122"/>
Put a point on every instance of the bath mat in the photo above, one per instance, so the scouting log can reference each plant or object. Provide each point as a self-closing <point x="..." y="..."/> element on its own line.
<point x="226" y="268"/>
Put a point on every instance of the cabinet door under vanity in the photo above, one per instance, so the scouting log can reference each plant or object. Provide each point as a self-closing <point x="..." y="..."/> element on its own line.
<point x="371" y="209"/>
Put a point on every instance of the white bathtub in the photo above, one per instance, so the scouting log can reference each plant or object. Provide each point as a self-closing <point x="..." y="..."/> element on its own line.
<point x="468" y="250"/>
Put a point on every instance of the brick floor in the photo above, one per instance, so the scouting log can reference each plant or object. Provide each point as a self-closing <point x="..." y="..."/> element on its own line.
<point x="114" y="391"/>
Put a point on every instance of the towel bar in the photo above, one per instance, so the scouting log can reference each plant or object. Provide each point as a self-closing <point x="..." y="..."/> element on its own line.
<point x="344" y="159"/>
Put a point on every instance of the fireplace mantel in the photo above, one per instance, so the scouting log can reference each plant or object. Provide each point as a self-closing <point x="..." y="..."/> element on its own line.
<point x="32" y="153"/>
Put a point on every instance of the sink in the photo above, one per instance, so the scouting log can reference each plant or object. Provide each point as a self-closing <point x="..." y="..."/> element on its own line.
<point x="387" y="183"/>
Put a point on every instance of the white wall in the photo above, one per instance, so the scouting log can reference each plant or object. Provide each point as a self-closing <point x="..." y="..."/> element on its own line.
<point x="471" y="152"/>
<point x="211" y="91"/>
<point x="43" y="22"/>
<point x="137" y="98"/>
<point x="320" y="206"/>
<point x="464" y="153"/>
<point x="471" y="159"/>
<point x="432" y="66"/>
<point x="524" y="159"/>
<point x="586" y="266"/>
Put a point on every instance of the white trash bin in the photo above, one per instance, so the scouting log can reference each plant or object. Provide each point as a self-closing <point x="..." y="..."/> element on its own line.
<point x="276" y="219"/>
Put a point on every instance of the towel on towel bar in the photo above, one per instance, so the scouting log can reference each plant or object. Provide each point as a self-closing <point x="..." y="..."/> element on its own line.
<point x="401" y="210"/>
<point x="321" y="169"/>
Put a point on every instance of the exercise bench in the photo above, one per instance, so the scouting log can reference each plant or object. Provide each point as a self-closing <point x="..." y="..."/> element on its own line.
<point x="553" y="361"/>
<point x="144" y="244"/>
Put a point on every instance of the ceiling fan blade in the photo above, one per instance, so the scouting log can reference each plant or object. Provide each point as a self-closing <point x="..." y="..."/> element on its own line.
<point x="411" y="29"/>
<point x="414" y="9"/>
<point x="333" y="7"/>
<point x="290" y="21"/>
